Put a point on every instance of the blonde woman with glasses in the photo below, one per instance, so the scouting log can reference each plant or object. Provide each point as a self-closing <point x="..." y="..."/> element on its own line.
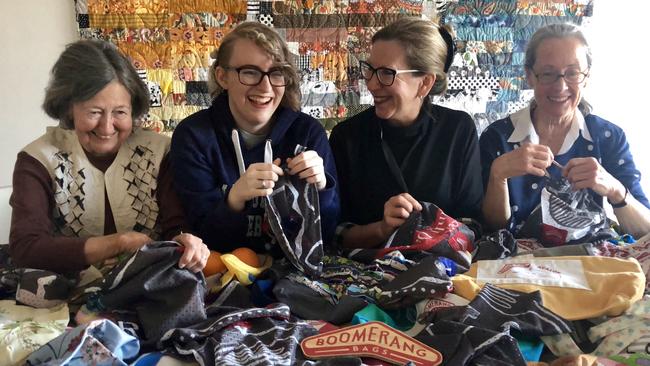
<point x="405" y="149"/>
<point x="558" y="134"/>
<point x="256" y="97"/>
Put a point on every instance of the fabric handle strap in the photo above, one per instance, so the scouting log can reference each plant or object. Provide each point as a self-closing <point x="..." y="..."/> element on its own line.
<point x="240" y="157"/>
<point x="392" y="164"/>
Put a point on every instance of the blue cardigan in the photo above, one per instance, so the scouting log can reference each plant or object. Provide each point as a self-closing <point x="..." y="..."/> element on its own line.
<point x="204" y="165"/>
<point x="606" y="143"/>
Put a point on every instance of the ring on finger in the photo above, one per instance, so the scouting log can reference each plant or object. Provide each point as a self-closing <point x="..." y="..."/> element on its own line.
<point x="263" y="184"/>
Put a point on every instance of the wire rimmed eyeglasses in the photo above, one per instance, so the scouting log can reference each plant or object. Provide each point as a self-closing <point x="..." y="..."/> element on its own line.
<point x="385" y="75"/>
<point x="252" y="76"/>
<point x="572" y="76"/>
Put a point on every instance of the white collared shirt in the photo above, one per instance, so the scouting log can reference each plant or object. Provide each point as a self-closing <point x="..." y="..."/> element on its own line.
<point x="524" y="130"/>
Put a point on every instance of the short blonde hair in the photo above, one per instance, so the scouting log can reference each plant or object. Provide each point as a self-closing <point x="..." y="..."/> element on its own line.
<point x="428" y="46"/>
<point x="268" y="40"/>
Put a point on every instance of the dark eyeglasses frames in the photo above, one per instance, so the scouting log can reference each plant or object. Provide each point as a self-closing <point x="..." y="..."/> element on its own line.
<point x="252" y="76"/>
<point x="385" y="75"/>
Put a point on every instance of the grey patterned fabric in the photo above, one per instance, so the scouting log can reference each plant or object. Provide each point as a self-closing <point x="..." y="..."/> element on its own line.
<point x="151" y="284"/>
<point x="565" y="216"/>
<point x="293" y="212"/>
<point x="233" y="336"/>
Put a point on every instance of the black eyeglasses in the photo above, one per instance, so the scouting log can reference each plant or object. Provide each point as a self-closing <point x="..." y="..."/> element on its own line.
<point x="571" y="76"/>
<point x="252" y="75"/>
<point x="385" y="75"/>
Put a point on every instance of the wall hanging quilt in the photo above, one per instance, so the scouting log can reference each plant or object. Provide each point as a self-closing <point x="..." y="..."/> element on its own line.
<point x="169" y="42"/>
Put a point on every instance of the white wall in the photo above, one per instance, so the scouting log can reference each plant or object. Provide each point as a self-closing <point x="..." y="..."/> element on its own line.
<point x="620" y="79"/>
<point x="32" y="35"/>
<point x="5" y="215"/>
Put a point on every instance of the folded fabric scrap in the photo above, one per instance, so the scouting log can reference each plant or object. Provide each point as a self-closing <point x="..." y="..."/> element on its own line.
<point x="100" y="342"/>
<point x="614" y="335"/>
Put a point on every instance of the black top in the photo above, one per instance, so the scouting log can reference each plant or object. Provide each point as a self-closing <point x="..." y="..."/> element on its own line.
<point x="402" y="140"/>
<point x="442" y="166"/>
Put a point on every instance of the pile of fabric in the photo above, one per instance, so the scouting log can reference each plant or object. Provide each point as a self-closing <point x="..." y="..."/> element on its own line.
<point x="477" y="300"/>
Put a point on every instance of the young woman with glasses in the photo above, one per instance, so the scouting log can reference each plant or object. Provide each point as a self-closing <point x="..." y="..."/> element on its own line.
<point x="405" y="149"/>
<point x="256" y="98"/>
<point x="558" y="134"/>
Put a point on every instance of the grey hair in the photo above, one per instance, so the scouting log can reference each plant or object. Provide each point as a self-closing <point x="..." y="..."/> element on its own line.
<point x="558" y="30"/>
<point x="424" y="46"/>
<point x="83" y="69"/>
<point x="268" y="40"/>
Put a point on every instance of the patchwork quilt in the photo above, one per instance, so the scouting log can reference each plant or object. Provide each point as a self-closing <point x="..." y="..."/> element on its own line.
<point x="169" y="42"/>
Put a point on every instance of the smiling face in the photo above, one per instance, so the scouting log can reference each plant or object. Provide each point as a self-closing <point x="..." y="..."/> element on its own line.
<point x="399" y="103"/>
<point x="103" y="122"/>
<point x="558" y="100"/>
<point x="251" y="106"/>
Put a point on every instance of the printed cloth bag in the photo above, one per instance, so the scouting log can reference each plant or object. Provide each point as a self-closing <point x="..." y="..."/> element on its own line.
<point x="501" y="309"/>
<point x="346" y="287"/>
<point x="498" y="245"/>
<point x="150" y="283"/>
<point x="427" y="232"/>
<point x="566" y="216"/>
<point x="462" y="344"/>
<point x="34" y="287"/>
<point x="293" y="212"/>
<point x="639" y="251"/>
<point x="43" y="289"/>
<point x="100" y="343"/>
<point x="235" y="336"/>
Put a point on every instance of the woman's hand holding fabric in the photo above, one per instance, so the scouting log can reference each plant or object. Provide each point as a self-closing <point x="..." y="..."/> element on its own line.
<point x="309" y="166"/>
<point x="633" y="216"/>
<point x="588" y="173"/>
<point x="195" y="253"/>
<point x="99" y="248"/>
<point x="526" y="159"/>
<point x="258" y="181"/>
<point x="131" y="241"/>
<point x="396" y="210"/>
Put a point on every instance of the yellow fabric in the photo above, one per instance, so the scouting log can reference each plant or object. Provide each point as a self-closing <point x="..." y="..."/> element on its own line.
<point x="128" y="20"/>
<point x="615" y="284"/>
<point x="127" y="6"/>
<point x="163" y="77"/>
<point x="209" y="6"/>
<point x="148" y="55"/>
<point x="240" y="270"/>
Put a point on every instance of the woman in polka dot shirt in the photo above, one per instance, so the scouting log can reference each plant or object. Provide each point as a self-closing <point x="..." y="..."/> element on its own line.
<point x="592" y="153"/>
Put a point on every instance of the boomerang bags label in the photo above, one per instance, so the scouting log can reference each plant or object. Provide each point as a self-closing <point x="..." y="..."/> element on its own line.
<point x="372" y="339"/>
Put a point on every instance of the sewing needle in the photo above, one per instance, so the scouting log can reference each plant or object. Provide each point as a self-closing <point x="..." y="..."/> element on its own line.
<point x="557" y="164"/>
